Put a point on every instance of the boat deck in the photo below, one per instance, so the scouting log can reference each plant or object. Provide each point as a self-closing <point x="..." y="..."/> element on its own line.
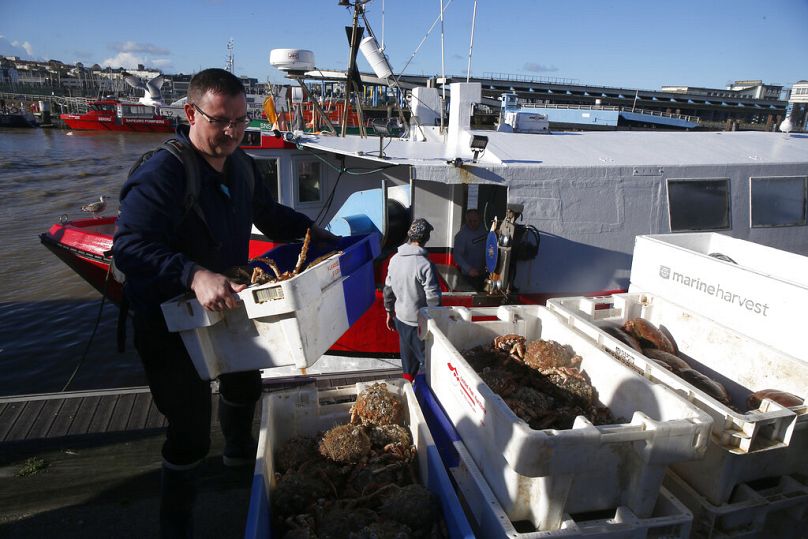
<point x="99" y="454"/>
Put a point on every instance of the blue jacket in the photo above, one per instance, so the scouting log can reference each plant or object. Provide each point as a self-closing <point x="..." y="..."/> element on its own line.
<point x="157" y="243"/>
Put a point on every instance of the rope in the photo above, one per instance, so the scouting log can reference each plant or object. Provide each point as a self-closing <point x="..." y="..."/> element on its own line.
<point x="92" y="335"/>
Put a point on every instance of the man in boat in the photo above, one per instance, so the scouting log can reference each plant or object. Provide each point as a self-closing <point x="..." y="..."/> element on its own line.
<point x="165" y="250"/>
<point x="469" y="249"/>
<point x="411" y="283"/>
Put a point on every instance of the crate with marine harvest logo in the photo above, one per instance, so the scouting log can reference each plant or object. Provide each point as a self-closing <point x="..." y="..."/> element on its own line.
<point x="291" y="322"/>
<point x="756" y="290"/>
<point x="746" y="444"/>
<point x="541" y="475"/>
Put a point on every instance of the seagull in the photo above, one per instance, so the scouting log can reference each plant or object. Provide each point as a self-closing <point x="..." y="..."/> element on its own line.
<point x="95" y="207"/>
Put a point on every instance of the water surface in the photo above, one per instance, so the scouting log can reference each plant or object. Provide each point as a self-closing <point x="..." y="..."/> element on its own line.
<point x="47" y="312"/>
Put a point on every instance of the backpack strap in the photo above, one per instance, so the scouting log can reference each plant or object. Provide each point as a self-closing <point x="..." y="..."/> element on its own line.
<point x="186" y="155"/>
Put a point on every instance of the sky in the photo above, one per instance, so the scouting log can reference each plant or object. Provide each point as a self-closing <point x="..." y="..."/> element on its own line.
<point x="625" y="43"/>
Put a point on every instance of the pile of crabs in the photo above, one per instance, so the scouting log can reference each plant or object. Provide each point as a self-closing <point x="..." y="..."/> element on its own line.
<point x="539" y="380"/>
<point x="356" y="480"/>
<point x="255" y="274"/>
<point x="649" y="340"/>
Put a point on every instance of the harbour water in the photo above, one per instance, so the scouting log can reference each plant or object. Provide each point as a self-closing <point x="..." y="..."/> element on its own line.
<point x="47" y="312"/>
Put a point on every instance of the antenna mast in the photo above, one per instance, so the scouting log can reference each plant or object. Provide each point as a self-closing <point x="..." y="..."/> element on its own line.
<point x="230" y="63"/>
<point x="471" y="44"/>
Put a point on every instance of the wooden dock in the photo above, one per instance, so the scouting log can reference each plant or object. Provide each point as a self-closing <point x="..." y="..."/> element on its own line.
<point x="99" y="454"/>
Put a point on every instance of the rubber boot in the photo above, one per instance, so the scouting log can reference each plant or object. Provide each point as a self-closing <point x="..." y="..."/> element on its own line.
<point x="177" y="495"/>
<point x="237" y="422"/>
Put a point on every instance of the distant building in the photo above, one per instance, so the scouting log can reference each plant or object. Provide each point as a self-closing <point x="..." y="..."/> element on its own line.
<point x="797" y="109"/>
<point x="756" y="89"/>
<point x="750" y="89"/>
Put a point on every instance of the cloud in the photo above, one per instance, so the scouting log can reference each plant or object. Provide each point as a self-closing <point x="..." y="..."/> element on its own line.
<point x="15" y="48"/>
<point x="133" y="46"/>
<point x="25" y="45"/>
<point x="131" y="54"/>
<point x="538" y="68"/>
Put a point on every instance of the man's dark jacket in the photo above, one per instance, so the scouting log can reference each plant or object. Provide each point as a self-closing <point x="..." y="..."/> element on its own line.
<point x="157" y="243"/>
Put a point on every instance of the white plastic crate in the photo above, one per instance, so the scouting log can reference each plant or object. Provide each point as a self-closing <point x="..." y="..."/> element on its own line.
<point x="539" y="475"/>
<point x="668" y="518"/>
<point x="778" y="509"/>
<point x="744" y="447"/>
<point x="761" y="295"/>
<point x="305" y="411"/>
<point x="292" y="322"/>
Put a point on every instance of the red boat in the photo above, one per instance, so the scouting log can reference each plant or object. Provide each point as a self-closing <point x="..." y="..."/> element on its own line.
<point x="85" y="246"/>
<point x="117" y="115"/>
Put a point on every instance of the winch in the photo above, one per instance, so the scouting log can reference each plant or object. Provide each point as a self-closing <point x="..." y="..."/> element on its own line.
<point x="507" y="243"/>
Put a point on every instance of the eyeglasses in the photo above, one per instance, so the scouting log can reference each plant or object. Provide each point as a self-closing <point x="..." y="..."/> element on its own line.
<point x="223" y="123"/>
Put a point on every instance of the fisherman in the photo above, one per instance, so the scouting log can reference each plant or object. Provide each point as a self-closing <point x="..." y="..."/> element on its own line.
<point x="469" y="249"/>
<point x="165" y="250"/>
<point x="411" y="284"/>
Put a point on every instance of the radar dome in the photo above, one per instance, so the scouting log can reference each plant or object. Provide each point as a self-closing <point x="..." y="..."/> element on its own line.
<point x="292" y="59"/>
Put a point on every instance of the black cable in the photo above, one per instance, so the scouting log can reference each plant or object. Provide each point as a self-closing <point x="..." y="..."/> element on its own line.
<point x="92" y="335"/>
<point x="330" y="200"/>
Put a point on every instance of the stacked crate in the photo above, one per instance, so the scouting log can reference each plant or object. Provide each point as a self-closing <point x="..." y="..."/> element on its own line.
<point x="753" y="478"/>
<point x="549" y="479"/>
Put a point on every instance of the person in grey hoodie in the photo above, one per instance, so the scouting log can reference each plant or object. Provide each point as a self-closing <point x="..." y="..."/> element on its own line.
<point x="411" y="283"/>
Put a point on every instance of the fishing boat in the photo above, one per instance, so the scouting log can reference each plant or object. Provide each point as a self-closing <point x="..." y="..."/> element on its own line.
<point x="568" y="205"/>
<point x="563" y="208"/>
<point x="119" y="115"/>
<point x="15" y="118"/>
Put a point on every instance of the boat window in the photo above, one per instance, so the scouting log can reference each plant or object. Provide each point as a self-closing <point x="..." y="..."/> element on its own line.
<point x="251" y="138"/>
<point x="779" y="201"/>
<point x="268" y="171"/>
<point x="308" y="181"/>
<point x="698" y="204"/>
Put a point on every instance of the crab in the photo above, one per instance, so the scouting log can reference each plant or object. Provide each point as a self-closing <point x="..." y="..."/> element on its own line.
<point x="644" y="331"/>
<point x="703" y="382"/>
<point x="376" y="406"/>
<point x="530" y="404"/>
<point x="344" y="520"/>
<point x="412" y="505"/>
<point x="400" y="452"/>
<point x="345" y="444"/>
<point x="383" y="435"/>
<point x="511" y="343"/>
<point x="295" y="493"/>
<point x="300" y="527"/>
<point x="259" y="276"/>
<point x="572" y="384"/>
<point x="783" y="398"/>
<point x="541" y="354"/>
<point x="295" y="452"/>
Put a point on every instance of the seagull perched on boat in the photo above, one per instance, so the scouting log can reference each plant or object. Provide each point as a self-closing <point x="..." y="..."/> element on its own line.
<point x="95" y="207"/>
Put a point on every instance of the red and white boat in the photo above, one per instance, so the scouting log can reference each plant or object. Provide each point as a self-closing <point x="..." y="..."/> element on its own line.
<point x="118" y="115"/>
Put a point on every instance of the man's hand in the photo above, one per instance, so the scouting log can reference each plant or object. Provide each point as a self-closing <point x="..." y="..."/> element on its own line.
<point x="214" y="291"/>
<point x="321" y="234"/>
<point x="391" y="325"/>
